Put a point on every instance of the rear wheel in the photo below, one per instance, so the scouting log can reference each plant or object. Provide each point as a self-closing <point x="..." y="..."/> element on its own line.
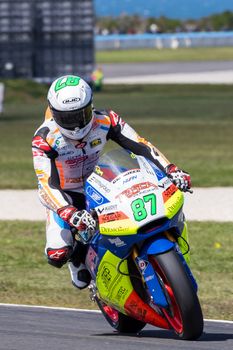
<point x="122" y="323"/>
<point x="184" y="312"/>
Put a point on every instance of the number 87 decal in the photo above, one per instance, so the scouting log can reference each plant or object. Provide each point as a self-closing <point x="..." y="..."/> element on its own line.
<point x="139" y="206"/>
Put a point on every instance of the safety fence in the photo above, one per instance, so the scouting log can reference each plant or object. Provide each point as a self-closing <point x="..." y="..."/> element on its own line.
<point x="159" y="41"/>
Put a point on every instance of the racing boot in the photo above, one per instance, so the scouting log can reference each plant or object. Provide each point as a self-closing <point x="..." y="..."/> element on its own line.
<point x="80" y="276"/>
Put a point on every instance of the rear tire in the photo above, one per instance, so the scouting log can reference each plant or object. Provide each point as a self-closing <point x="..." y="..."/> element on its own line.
<point x="120" y="322"/>
<point x="184" y="313"/>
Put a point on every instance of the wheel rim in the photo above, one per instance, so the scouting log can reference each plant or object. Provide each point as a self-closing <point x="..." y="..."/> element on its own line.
<point x="111" y="313"/>
<point x="172" y="313"/>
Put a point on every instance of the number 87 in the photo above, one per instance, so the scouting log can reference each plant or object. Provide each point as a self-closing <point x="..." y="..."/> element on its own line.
<point x="139" y="209"/>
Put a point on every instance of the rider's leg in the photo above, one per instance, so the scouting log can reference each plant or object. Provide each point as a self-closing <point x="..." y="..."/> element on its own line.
<point x="61" y="248"/>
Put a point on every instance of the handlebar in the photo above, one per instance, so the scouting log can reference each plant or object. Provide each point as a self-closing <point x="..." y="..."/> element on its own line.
<point x="189" y="190"/>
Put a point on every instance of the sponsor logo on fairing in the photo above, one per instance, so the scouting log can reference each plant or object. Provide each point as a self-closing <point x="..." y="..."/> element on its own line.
<point x="114" y="216"/>
<point x="122" y="292"/>
<point x="163" y="183"/>
<point x="174" y="205"/>
<point x="131" y="178"/>
<point x="142" y="264"/>
<point x="111" y="207"/>
<point x="106" y="276"/>
<point x="169" y="192"/>
<point x="117" y="241"/>
<point x="120" y="229"/>
<point x="100" y="184"/>
<point x="149" y="278"/>
<point x="94" y="195"/>
<point x="159" y="173"/>
<point x="135" y="189"/>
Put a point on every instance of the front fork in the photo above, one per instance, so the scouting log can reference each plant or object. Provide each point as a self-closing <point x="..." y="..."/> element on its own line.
<point x="150" y="278"/>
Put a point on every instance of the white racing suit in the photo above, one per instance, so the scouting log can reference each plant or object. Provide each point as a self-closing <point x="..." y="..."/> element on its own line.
<point x="62" y="166"/>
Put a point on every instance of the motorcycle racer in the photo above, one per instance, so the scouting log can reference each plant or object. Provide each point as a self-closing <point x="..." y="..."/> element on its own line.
<point x="66" y="148"/>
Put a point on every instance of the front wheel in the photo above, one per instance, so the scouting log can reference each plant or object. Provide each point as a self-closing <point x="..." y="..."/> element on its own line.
<point x="184" y="313"/>
<point x="120" y="322"/>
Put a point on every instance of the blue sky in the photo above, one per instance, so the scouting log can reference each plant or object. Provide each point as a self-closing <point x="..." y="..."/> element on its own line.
<point x="182" y="9"/>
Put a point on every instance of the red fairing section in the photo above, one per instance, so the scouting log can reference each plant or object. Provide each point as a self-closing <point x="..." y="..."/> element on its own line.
<point x="40" y="143"/>
<point x="115" y="119"/>
<point x="135" y="307"/>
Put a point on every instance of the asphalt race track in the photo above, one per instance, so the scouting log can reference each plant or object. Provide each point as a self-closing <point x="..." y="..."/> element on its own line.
<point x="211" y="72"/>
<point x="113" y="70"/>
<point x="27" y="328"/>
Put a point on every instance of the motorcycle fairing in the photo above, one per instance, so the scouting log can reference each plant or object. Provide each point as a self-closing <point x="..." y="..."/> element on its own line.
<point x="115" y="199"/>
<point x="119" y="224"/>
<point x="93" y="197"/>
<point x="115" y="288"/>
<point x="121" y="245"/>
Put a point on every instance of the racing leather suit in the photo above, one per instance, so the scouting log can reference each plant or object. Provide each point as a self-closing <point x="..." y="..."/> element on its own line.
<point x="62" y="166"/>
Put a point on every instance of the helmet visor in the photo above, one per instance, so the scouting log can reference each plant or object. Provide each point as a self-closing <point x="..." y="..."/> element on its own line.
<point x="73" y="119"/>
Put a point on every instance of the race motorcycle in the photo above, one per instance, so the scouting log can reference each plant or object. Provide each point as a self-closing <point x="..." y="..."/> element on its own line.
<point x="139" y="275"/>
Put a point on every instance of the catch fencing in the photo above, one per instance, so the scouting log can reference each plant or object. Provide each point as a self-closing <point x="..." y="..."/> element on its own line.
<point x="160" y="41"/>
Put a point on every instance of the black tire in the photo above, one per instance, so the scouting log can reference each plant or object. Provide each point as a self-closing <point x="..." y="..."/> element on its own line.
<point x="122" y="323"/>
<point x="184" y="314"/>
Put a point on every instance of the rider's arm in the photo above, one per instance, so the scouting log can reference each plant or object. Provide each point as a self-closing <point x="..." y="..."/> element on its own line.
<point x="44" y="157"/>
<point x="50" y="192"/>
<point x="127" y="137"/>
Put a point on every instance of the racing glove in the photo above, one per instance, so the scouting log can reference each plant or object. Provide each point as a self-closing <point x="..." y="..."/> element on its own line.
<point x="80" y="219"/>
<point x="179" y="177"/>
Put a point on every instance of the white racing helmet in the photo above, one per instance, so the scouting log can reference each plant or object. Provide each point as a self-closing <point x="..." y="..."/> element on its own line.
<point x="70" y="102"/>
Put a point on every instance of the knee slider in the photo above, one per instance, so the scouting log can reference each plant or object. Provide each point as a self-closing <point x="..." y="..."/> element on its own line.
<point x="58" y="257"/>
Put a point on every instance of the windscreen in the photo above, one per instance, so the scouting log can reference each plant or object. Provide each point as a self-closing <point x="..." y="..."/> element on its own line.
<point x="116" y="162"/>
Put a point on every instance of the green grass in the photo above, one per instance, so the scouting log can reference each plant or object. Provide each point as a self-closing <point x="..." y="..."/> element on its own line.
<point x="165" y="55"/>
<point x="26" y="278"/>
<point x="191" y="125"/>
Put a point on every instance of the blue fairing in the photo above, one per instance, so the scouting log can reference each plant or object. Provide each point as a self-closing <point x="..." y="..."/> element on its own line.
<point x="157" y="246"/>
<point x="125" y="243"/>
<point x="93" y="197"/>
<point x="159" y="173"/>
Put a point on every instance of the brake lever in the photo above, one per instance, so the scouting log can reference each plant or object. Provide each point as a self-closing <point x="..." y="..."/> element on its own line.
<point x="189" y="190"/>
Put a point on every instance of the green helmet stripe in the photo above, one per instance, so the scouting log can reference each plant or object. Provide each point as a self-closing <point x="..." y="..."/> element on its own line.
<point x="70" y="81"/>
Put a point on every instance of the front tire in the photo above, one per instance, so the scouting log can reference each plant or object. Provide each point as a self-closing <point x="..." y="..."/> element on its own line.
<point x="120" y="322"/>
<point x="184" y="313"/>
